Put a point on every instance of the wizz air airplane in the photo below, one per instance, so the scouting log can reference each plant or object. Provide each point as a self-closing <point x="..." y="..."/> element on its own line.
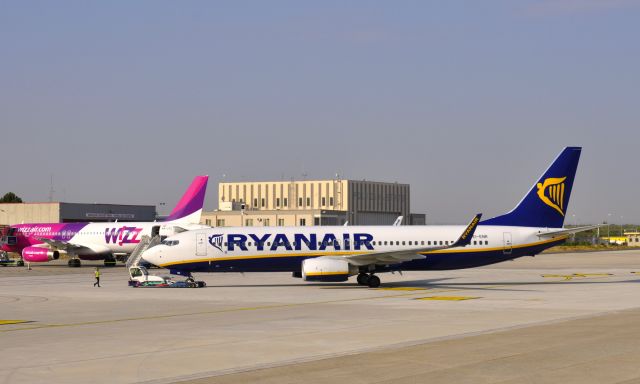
<point x="97" y="241"/>
<point x="336" y="253"/>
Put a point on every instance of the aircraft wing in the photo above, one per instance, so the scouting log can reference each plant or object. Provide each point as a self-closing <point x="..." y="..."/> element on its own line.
<point x="395" y="257"/>
<point x="74" y="248"/>
<point x="569" y="231"/>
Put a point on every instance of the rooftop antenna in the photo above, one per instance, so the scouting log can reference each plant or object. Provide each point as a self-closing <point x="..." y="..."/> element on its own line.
<point x="51" y="191"/>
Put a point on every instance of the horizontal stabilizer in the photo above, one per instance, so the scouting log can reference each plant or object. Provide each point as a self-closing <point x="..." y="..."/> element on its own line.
<point x="569" y="231"/>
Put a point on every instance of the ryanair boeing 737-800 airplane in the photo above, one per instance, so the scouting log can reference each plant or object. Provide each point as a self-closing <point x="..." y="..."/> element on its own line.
<point x="336" y="253"/>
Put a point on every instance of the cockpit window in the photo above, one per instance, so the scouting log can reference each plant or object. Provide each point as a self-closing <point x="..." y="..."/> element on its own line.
<point x="171" y="243"/>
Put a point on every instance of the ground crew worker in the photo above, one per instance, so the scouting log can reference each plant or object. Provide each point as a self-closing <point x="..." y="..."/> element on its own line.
<point x="97" y="277"/>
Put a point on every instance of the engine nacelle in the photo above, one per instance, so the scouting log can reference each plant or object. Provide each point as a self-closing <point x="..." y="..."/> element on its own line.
<point x="324" y="269"/>
<point x="39" y="255"/>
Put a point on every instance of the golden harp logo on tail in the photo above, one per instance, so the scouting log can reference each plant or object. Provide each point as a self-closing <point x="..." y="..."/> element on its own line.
<point x="551" y="192"/>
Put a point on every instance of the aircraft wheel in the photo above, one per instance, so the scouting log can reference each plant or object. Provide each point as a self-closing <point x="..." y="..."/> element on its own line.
<point x="20" y="263"/>
<point x="74" y="263"/>
<point x="363" y="279"/>
<point x="374" y="281"/>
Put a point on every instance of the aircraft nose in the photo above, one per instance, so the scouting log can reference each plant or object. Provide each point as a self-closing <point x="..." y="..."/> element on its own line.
<point x="153" y="256"/>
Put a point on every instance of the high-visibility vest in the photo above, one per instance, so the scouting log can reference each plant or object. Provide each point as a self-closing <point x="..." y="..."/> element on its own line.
<point x="97" y="273"/>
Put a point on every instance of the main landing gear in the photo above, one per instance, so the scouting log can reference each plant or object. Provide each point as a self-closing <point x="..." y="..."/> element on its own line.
<point x="371" y="280"/>
<point x="74" y="263"/>
<point x="110" y="261"/>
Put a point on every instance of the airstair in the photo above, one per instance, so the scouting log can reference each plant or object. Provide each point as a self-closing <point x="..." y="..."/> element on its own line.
<point x="145" y="243"/>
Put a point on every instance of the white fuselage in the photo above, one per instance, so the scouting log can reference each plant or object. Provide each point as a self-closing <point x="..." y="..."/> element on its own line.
<point x="245" y="248"/>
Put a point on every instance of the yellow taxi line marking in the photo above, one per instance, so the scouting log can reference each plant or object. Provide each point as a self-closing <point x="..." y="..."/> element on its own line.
<point x="574" y="275"/>
<point x="448" y="298"/>
<point x="402" y="289"/>
<point x="220" y="311"/>
<point x="256" y="308"/>
<point x="5" y="322"/>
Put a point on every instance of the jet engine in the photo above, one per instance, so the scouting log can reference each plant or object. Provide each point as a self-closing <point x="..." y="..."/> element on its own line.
<point x="324" y="269"/>
<point x="39" y="255"/>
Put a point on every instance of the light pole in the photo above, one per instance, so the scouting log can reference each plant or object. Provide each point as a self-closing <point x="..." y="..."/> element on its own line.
<point x="621" y="221"/>
<point x="608" y="226"/>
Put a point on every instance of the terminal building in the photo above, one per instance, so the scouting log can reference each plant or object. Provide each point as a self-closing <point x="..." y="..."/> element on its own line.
<point x="306" y="203"/>
<point x="55" y="212"/>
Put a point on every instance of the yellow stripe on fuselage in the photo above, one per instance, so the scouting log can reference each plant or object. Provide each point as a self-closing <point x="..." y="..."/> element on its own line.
<point x="269" y="256"/>
<point x="326" y="273"/>
<point x="352" y="253"/>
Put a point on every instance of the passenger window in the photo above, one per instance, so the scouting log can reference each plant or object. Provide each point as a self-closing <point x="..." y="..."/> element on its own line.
<point x="486" y="242"/>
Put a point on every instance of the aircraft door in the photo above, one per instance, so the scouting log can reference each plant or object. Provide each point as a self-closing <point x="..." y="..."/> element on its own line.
<point x="507" y="243"/>
<point x="155" y="230"/>
<point x="201" y="244"/>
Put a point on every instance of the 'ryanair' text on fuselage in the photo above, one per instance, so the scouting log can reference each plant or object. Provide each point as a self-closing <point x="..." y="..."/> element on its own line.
<point x="311" y="242"/>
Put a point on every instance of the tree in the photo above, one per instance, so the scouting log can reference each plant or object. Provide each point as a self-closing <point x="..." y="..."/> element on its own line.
<point x="10" y="197"/>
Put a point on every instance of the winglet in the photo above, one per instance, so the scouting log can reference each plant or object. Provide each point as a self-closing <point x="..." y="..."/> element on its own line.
<point x="467" y="235"/>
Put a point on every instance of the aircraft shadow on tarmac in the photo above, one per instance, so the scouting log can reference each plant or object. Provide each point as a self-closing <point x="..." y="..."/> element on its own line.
<point x="434" y="284"/>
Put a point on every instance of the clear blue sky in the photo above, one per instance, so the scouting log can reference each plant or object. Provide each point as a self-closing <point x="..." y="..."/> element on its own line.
<point x="468" y="101"/>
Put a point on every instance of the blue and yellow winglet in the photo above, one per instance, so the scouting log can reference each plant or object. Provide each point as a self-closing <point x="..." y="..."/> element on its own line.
<point x="467" y="235"/>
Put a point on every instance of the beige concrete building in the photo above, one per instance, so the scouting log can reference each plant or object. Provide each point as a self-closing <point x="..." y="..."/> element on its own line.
<point x="317" y="202"/>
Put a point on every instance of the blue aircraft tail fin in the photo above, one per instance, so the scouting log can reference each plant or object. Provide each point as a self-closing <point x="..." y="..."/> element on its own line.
<point x="546" y="203"/>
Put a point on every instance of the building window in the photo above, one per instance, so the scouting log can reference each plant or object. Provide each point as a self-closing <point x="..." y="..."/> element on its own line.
<point x="303" y="222"/>
<point x="277" y="202"/>
<point x="265" y="222"/>
<point x="248" y="222"/>
<point x="308" y="201"/>
<point x="263" y="202"/>
<point x="220" y="223"/>
<point x="299" y="201"/>
<point x="207" y="222"/>
<point x="285" y="202"/>
<point x="280" y="222"/>
<point x="331" y="201"/>
<point x="255" y="202"/>
<point x="324" y="201"/>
